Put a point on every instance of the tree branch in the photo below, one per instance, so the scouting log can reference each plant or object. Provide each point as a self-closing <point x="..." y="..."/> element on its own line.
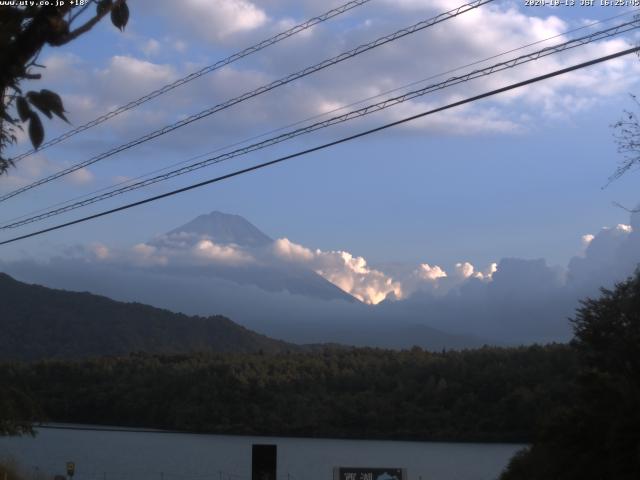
<point x="87" y="25"/>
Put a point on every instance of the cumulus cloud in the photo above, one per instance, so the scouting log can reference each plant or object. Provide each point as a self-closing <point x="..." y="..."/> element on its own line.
<point x="512" y="300"/>
<point x="81" y="177"/>
<point x="100" y="251"/>
<point x="610" y="256"/>
<point x="129" y="77"/>
<point x="179" y="249"/>
<point x="465" y="270"/>
<point x="182" y="248"/>
<point x="292" y="252"/>
<point x="37" y="166"/>
<point x="210" y="251"/>
<point x="348" y="272"/>
<point x="587" y="239"/>
<point x="89" y="88"/>
<point x="427" y="272"/>
<point x="214" y="20"/>
<point x="30" y="169"/>
<point x="147" y="255"/>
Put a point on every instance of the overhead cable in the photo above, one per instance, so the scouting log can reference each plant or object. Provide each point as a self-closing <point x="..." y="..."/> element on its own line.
<point x="254" y="93"/>
<point x="361" y="112"/>
<point x="192" y="76"/>
<point x="326" y="145"/>
<point x="316" y="116"/>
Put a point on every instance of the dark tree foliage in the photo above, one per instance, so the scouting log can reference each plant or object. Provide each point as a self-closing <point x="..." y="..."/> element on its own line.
<point x="38" y="322"/>
<point x="18" y="411"/>
<point x="24" y="32"/>
<point x="489" y="394"/>
<point x="627" y="137"/>
<point x="597" y="435"/>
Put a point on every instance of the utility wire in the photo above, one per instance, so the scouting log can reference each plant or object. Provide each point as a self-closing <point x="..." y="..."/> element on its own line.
<point x="367" y="110"/>
<point x="181" y="81"/>
<point x="314" y="117"/>
<point x="263" y="89"/>
<point x="327" y="145"/>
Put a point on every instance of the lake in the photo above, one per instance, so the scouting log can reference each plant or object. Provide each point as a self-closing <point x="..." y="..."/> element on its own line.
<point x="145" y="455"/>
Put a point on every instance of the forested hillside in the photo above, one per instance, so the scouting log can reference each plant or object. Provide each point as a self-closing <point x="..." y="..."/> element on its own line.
<point x="38" y="322"/>
<point x="489" y="394"/>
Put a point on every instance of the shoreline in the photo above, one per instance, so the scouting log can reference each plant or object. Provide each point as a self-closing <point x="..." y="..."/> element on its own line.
<point x="125" y="429"/>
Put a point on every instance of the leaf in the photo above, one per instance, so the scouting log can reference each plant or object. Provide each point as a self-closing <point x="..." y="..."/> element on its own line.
<point x="23" y="108"/>
<point x="36" y="130"/>
<point x="37" y="101"/>
<point x="49" y="101"/>
<point x="120" y="15"/>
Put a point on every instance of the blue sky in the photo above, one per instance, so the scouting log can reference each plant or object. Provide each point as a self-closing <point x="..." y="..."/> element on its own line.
<point x="515" y="176"/>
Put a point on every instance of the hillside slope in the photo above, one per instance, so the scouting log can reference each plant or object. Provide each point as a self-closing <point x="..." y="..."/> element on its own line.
<point x="38" y="322"/>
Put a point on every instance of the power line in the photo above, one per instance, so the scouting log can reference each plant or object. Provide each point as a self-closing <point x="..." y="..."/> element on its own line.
<point x="327" y="145"/>
<point x="263" y="89"/>
<point x="361" y="112"/>
<point x="192" y="76"/>
<point x="314" y="117"/>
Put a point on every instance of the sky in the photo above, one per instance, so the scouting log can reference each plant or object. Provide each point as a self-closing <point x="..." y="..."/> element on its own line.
<point x="518" y="175"/>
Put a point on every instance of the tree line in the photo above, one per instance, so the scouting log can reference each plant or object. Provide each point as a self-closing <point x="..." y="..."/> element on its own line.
<point x="488" y="394"/>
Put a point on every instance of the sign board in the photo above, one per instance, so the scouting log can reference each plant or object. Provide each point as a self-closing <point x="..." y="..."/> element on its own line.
<point x="264" y="462"/>
<point x="71" y="468"/>
<point x="364" y="473"/>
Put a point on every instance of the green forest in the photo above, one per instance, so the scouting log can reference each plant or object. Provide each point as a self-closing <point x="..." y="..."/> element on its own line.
<point x="42" y="323"/>
<point x="490" y="394"/>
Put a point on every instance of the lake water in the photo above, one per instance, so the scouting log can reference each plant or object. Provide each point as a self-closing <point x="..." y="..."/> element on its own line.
<point x="125" y="455"/>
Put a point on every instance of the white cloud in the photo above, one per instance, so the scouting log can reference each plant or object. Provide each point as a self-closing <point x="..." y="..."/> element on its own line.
<point x="214" y="20"/>
<point x="100" y="251"/>
<point x="487" y="274"/>
<point x="91" y="89"/>
<point x="427" y="272"/>
<point x="81" y="177"/>
<point x="210" y="251"/>
<point x="464" y="270"/>
<point x="147" y="255"/>
<point x="292" y="252"/>
<point x="587" y="239"/>
<point x="151" y="47"/>
<point x="127" y="77"/>
<point x="609" y="256"/>
<point x="30" y="169"/>
<point x="349" y="273"/>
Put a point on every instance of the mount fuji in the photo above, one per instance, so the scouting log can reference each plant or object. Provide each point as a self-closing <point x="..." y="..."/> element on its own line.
<point x="221" y="264"/>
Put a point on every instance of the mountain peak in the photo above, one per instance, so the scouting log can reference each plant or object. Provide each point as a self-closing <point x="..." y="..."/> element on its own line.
<point x="225" y="228"/>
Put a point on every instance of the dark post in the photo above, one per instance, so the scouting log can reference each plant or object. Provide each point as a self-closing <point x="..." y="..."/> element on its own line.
<point x="264" y="462"/>
<point x="71" y="469"/>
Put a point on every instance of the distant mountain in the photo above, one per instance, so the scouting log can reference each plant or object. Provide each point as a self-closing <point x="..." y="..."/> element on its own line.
<point x="280" y="299"/>
<point x="227" y="229"/>
<point x="224" y="228"/>
<point x="38" y="322"/>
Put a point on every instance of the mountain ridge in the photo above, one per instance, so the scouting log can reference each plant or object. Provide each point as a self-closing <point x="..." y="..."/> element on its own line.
<point x="40" y="322"/>
<point x="230" y="229"/>
<point x="225" y="228"/>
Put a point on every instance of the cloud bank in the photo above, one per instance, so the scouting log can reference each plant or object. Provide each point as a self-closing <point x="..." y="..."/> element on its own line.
<point x="513" y="300"/>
